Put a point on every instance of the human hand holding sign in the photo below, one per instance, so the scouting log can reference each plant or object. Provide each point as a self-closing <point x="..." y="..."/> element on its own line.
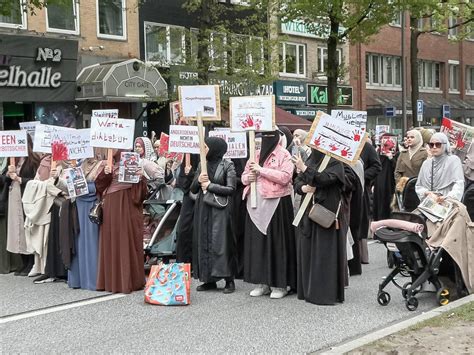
<point x="299" y="163"/>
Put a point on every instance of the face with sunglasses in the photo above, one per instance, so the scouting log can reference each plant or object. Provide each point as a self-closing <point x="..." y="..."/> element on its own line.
<point x="436" y="148"/>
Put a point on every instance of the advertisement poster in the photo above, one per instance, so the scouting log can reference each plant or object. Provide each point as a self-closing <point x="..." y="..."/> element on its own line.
<point x="13" y="144"/>
<point x="74" y="144"/>
<point x="76" y="182"/>
<point x="111" y="113"/>
<point x="355" y="118"/>
<point x="336" y="138"/>
<point x="200" y="98"/>
<point x="165" y="149"/>
<point x="128" y="167"/>
<point x="43" y="135"/>
<point x="459" y="135"/>
<point x="236" y="142"/>
<point x="252" y="113"/>
<point x="29" y="127"/>
<point x="62" y="114"/>
<point x="183" y="139"/>
<point x="112" y="133"/>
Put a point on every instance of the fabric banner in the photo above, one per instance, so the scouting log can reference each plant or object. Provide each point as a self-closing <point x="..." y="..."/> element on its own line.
<point x="236" y="142"/>
<point x="252" y="113"/>
<point x="43" y="135"/>
<point x="74" y="144"/>
<point x="355" y="118"/>
<point x="184" y="139"/>
<point x="13" y="144"/>
<point x="336" y="138"/>
<point x="108" y="132"/>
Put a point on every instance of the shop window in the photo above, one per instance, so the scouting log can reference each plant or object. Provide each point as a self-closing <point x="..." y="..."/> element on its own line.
<point x="292" y="59"/>
<point x="63" y="17"/>
<point x="111" y="17"/>
<point x="218" y="51"/>
<point x="165" y="45"/>
<point x="247" y="52"/>
<point x="454" y="77"/>
<point x="323" y="59"/>
<point x="428" y="75"/>
<point x="15" y="17"/>
<point x="383" y="71"/>
<point x="470" y="79"/>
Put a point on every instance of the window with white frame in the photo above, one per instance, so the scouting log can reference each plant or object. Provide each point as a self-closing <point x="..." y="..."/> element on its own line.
<point x="292" y="59"/>
<point x="429" y="75"/>
<point x="63" y="17"/>
<point x="247" y="52"/>
<point x="452" y="32"/>
<point x="218" y="50"/>
<point x="111" y="19"/>
<point x="165" y="44"/>
<point x="323" y="59"/>
<point x="454" y="77"/>
<point x="15" y="17"/>
<point x="470" y="79"/>
<point x="382" y="70"/>
<point x="397" y="20"/>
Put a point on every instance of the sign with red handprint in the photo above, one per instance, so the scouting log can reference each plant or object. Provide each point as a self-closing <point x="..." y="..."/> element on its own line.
<point x="252" y="113"/>
<point x="337" y="138"/>
<point x="460" y="135"/>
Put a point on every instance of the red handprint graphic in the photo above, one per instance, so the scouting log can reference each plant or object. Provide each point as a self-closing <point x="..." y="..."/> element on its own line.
<point x="317" y="141"/>
<point x="356" y="136"/>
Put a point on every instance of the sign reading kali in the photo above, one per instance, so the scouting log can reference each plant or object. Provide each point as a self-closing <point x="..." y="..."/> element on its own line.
<point x="318" y="95"/>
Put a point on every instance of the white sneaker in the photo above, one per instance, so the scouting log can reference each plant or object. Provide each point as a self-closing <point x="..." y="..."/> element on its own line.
<point x="260" y="290"/>
<point x="278" y="293"/>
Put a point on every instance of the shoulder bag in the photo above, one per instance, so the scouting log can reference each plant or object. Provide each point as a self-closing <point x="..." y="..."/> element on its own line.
<point x="324" y="217"/>
<point x="214" y="200"/>
<point x="96" y="213"/>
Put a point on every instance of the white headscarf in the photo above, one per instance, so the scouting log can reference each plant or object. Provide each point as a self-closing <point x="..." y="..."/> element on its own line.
<point x="418" y="142"/>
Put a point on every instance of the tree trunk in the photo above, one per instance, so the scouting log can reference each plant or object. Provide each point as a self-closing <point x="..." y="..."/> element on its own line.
<point x="333" y="67"/>
<point x="273" y="31"/>
<point x="414" y="75"/>
<point x="203" y="41"/>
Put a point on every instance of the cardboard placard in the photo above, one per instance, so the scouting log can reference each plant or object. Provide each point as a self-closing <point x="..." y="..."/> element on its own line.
<point x="112" y="133"/>
<point x="29" y="127"/>
<point x="76" y="182"/>
<point x="111" y="113"/>
<point x="43" y="135"/>
<point x="459" y="135"/>
<point x="354" y="118"/>
<point x="379" y="130"/>
<point x="252" y="113"/>
<point x="388" y="144"/>
<point x="336" y="138"/>
<point x="13" y="144"/>
<point x="74" y="144"/>
<point x="200" y="98"/>
<point x="165" y="149"/>
<point x="176" y="118"/>
<point x="236" y="142"/>
<point x="128" y="167"/>
<point x="183" y="139"/>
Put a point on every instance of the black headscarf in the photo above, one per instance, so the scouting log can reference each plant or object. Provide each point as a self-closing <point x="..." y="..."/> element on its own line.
<point x="316" y="157"/>
<point x="217" y="149"/>
<point x="269" y="142"/>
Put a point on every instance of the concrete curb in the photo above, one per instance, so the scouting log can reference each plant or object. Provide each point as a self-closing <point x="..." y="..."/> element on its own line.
<point x="369" y="338"/>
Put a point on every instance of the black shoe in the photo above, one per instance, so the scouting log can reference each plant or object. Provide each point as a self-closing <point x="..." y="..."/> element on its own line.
<point x="229" y="287"/>
<point x="207" y="286"/>
<point x="40" y="279"/>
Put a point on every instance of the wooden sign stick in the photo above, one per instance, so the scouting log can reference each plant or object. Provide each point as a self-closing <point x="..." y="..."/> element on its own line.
<point x="187" y="160"/>
<point x="53" y="163"/>
<point x="202" y="149"/>
<point x="110" y="156"/>
<point x="253" y="185"/>
<point x="309" y="195"/>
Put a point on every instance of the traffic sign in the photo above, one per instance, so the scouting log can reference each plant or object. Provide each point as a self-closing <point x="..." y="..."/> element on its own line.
<point x="419" y="110"/>
<point x="446" y="111"/>
<point x="390" y="111"/>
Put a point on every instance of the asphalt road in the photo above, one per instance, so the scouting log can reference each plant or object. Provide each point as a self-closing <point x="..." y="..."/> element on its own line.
<point x="51" y="318"/>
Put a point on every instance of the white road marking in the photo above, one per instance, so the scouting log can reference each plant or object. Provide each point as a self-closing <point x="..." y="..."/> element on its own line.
<point x="59" y="308"/>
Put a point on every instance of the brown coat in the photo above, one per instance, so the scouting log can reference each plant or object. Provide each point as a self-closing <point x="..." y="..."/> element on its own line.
<point x="407" y="167"/>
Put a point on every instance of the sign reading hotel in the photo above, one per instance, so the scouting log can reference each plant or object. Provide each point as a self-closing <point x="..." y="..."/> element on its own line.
<point x="200" y="98"/>
<point x="183" y="139"/>
<point x="112" y="132"/>
<point x="336" y="138"/>
<point x="73" y="144"/>
<point x="355" y="118"/>
<point x="236" y="142"/>
<point x="13" y="144"/>
<point x="252" y="113"/>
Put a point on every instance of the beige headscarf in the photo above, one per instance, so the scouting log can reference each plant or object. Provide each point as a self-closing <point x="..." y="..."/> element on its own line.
<point x="418" y="142"/>
<point x="93" y="166"/>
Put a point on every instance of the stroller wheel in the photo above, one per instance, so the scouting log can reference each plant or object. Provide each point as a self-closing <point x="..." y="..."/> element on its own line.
<point x="411" y="304"/>
<point x="443" y="296"/>
<point x="405" y="288"/>
<point x="383" y="298"/>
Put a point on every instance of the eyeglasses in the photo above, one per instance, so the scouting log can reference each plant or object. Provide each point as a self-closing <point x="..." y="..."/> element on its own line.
<point x="435" y="145"/>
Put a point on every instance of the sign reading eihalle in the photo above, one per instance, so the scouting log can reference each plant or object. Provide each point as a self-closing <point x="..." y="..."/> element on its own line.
<point x="355" y="118"/>
<point x="252" y="113"/>
<point x="112" y="133"/>
<point x="74" y="144"/>
<point x="336" y="138"/>
<point x="13" y="144"/>
<point x="184" y="139"/>
<point x="200" y="98"/>
<point x="236" y="143"/>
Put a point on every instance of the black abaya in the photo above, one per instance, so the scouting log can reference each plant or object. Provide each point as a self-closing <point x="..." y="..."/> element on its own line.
<point x="384" y="188"/>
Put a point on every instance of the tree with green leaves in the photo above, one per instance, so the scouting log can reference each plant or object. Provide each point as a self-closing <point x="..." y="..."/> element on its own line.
<point x="337" y="21"/>
<point x="13" y="7"/>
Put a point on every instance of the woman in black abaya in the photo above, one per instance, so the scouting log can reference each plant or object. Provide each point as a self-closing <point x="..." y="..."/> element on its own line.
<point x="322" y="262"/>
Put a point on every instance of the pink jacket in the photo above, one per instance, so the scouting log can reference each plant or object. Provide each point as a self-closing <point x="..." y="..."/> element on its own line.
<point x="275" y="176"/>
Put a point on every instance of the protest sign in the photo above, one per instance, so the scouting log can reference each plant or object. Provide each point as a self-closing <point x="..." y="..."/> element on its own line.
<point x="112" y="133"/>
<point x="128" y="167"/>
<point x="13" y="144"/>
<point x="388" y="145"/>
<point x="43" y="135"/>
<point x="76" y="182"/>
<point x="175" y="114"/>
<point x="73" y="144"/>
<point x="236" y="142"/>
<point x="354" y="118"/>
<point x="336" y="138"/>
<point x="252" y="113"/>
<point x="200" y="98"/>
<point x="165" y="149"/>
<point x="184" y="139"/>
<point x="111" y="113"/>
<point x="459" y="135"/>
<point x="29" y="127"/>
<point x="379" y="130"/>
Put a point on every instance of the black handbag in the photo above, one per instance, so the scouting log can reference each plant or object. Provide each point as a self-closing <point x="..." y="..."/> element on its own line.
<point x="215" y="201"/>
<point x="96" y="213"/>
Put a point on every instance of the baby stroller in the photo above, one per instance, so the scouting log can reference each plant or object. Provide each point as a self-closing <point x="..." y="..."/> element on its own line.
<point x="414" y="257"/>
<point x="160" y="220"/>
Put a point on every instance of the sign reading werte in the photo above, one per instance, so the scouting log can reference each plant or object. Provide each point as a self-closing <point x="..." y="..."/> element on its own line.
<point x="112" y="133"/>
<point x="13" y="144"/>
<point x="236" y="143"/>
<point x="184" y="139"/>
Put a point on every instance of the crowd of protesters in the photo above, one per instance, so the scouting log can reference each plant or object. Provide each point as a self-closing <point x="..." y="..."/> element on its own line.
<point x="47" y="235"/>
